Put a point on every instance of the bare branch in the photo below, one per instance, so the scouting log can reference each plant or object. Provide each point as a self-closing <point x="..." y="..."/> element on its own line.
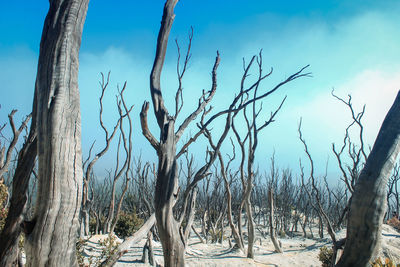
<point x="160" y="110"/>
<point x="180" y="73"/>
<point x="204" y="100"/>
<point x="16" y="132"/>
<point x="145" y="128"/>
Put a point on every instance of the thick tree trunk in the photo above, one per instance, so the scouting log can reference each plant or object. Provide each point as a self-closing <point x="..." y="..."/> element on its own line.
<point x="368" y="203"/>
<point x="51" y="242"/>
<point x="165" y="197"/>
<point x="166" y="191"/>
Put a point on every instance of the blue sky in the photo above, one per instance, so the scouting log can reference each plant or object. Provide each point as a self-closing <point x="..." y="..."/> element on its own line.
<point x="352" y="46"/>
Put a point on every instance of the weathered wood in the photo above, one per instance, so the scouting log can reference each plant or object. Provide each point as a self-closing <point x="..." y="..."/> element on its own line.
<point x="272" y="229"/>
<point x="166" y="190"/>
<point x="53" y="237"/>
<point x="368" y="203"/>
<point x="26" y="161"/>
<point x="124" y="246"/>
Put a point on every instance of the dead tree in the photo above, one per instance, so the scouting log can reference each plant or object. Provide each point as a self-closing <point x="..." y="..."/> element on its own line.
<point x="5" y="156"/>
<point x="128" y="242"/>
<point x="251" y="141"/>
<point x="272" y="225"/>
<point x="368" y="204"/>
<point x="89" y="165"/>
<point x="224" y="170"/>
<point x="100" y="200"/>
<point x="125" y="170"/>
<point x="355" y="151"/>
<point x="26" y="161"/>
<point x="315" y="198"/>
<point x="393" y="193"/>
<point x="167" y="175"/>
<point x="113" y="215"/>
<point x="51" y="235"/>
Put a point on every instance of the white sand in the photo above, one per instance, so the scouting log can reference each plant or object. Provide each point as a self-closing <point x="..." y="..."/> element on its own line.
<point x="298" y="251"/>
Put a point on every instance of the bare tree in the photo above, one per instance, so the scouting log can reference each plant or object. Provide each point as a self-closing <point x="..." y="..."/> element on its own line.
<point x="251" y="138"/>
<point x="113" y="215"/>
<point x="26" y="161"/>
<point x="5" y="156"/>
<point x="167" y="174"/>
<point x="315" y="197"/>
<point x="368" y="204"/>
<point x="224" y="171"/>
<point x="89" y="165"/>
<point x="272" y="225"/>
<point x="128" y="242"/>
<point x="51" y="237"/>
<point x="392" y="198"/>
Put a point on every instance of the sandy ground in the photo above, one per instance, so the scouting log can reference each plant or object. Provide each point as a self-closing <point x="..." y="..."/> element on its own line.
<point x="298" y="251"/>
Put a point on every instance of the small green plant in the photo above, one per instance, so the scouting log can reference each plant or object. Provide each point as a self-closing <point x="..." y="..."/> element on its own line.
<point x="325" y="256"/>
<point x="127" y="224"/>
<point x="387" y="263"/>
<point x="109" y="247"/>
<point x="79" y="251"/>
<point x="80" y="245"/>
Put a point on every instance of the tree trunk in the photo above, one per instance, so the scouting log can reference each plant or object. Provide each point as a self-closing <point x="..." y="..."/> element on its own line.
<point x="234" y="231"/>
<point x="368" y="203"/>
<point x="124" y="246"/>
<point x="191" y="214"/>
<point x="166" y="193"/>
<point x="250" y="229"/>
<point x="148" y="255"/>
<point x="272" y="230"/>
<point x="12" y="230"/>
<point x="85" y="222"/>
<point x="52" y="239"/>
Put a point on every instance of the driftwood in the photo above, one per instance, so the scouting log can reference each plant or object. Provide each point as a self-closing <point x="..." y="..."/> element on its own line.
<point x="124" y="246"/>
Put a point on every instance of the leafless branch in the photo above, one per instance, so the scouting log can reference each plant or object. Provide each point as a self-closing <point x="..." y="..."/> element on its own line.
<point x="180" y="73"/>
<point x="4" y="163"/>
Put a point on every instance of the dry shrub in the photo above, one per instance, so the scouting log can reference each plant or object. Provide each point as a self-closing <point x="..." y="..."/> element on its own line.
<point x="387" y="263"/>
<point x="128" y="224"/>
<point x="395" y="223"/>
<point x="3" y="203"/>
<point x="325" y="256"/>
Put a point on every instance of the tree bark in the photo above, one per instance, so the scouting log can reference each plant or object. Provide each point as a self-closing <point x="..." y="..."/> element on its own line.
<point x="52" y="239"/>
<point x="124" y="246"/>
<point x="234" y="231"/>
<point x="167" y="176"/>
<point x="368" y="203"/>
<point x="272" y="230"/>
<point x="12" y="230"/>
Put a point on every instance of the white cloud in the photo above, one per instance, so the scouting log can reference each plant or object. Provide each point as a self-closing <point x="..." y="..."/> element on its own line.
<point x="374" y="88"/>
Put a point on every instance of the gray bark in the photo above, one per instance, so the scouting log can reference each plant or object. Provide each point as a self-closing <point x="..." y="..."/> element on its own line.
<point x="272" y="229"/>
<point x="52" y="237"/>
<point x="368" y="203"/>
<point x="12" y="230"/>
<point x="124" y="246"/>
<point x="234" y="231"/>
